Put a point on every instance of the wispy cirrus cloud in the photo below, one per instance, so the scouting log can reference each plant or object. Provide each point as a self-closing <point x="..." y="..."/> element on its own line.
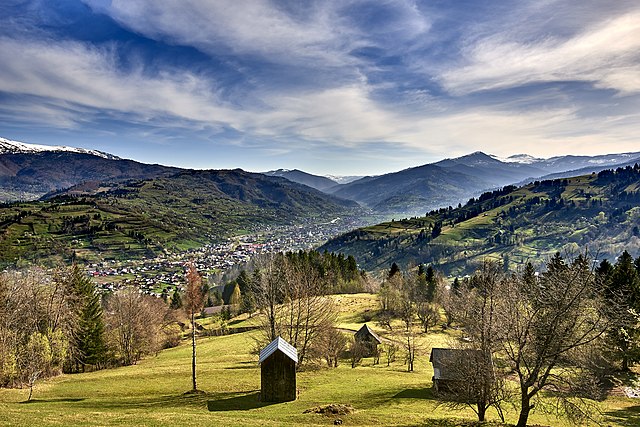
<point x="323" y="80"/>
<point x="608" y="55"/>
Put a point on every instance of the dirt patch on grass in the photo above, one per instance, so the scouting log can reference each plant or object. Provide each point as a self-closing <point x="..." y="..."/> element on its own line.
<point x="331" y="409"/>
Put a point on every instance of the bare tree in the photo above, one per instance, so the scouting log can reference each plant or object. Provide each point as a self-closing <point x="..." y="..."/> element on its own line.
<point x="406" y="310"/>
<point x="331" y="344"/>
<point x="135" y="324"/>
<point x="293" y="302"/>
<point x="357" y="350"/>
<point x="478" y="384"/>
<point x="194" y="301"/>
<point x="390" y="350"/>
<point x="545" y="323"/>
<point x="307" y="311"/>
<point x="268" y="283"/>
<point x="36" y="326"/>
<point x="428" y="313"/>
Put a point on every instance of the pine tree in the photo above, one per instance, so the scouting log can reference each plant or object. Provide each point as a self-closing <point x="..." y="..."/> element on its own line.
<point x="89" y="343"/>
<point x="394" y="269"/>
<point x="623" y="288"/>
<point x="176" y="300"/>
<point x="430" y="278"/>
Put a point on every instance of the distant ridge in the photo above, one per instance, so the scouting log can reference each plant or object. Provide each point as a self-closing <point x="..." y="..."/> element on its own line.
<point x="295" y="175"/>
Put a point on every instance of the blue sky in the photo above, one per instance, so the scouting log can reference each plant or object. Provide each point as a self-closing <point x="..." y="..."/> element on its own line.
<point x="335" y="86"/>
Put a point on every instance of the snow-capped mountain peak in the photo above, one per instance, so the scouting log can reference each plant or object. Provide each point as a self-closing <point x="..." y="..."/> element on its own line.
<point x="8" y="146"/>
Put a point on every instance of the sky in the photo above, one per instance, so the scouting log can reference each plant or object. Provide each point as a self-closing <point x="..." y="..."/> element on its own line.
<point x="343" y="87"/>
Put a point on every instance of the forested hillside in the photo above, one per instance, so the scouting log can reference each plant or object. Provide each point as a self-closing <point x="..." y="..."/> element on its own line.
<point x="598" y="212"/>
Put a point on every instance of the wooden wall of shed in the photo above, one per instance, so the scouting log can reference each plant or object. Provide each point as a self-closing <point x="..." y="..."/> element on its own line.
<point x="278" y="379"/>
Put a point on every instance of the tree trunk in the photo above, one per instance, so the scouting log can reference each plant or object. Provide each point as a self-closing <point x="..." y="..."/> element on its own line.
<point x="193" y="351"/>
<point x="524" y="411"/>
<point x="482" y="410"/>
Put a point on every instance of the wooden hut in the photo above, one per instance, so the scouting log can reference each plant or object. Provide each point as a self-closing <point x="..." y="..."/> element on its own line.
<point x="454" y="368"/>
<point x="278" y="372"/>
<point x="369" y="340"/>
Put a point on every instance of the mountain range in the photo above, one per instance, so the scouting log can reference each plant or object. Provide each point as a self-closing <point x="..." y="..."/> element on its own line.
<point x="29" y="171"/>
<point x="452" y="181"/>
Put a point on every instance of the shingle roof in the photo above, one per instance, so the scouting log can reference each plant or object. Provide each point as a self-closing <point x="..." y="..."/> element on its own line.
<point x="279" y="344"/>
<point x="366" y="330"/>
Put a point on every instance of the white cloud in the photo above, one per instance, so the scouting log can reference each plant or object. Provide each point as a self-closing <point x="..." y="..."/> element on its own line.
<point x="237" y="27"/>
<point x="607" y="55"/>
<point x="74" y="76"/>
<point x="74" y="81"/>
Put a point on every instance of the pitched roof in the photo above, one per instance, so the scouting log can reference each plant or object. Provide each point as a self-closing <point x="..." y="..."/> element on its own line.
<point x="366" y="330"/>
<point x="279" y="344"/>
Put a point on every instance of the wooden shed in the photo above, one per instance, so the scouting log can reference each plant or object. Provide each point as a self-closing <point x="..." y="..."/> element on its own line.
<point x="278" y="372"/>
<point x="369" y="339"/>
<point x="454" y="368"/>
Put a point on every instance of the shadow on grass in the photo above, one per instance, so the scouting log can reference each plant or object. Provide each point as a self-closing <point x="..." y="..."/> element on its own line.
<point x="237" y="403"/>
<point x="624" y="417"/>
<point x="415" y="393"/>
<point x="61" y="399"/>
<point x="250" y="364"/>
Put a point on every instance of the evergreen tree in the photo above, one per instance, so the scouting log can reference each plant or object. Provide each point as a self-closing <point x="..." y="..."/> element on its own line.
<point x="206" y="291"/>
<point x="623" y="289"/>
<point x="394" y="269"/>
<point x="430" y="279"/>
<point x="176" y="300"/>
<point x="455" y="287"/>
<point x="529" y="275"/>
<point x="89" y="342"/>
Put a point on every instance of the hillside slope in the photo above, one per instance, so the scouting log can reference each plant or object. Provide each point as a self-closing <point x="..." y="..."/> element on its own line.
<point x="597" y="212"/>
<point x="145" y="217"/>
<point x="30" y="175"/>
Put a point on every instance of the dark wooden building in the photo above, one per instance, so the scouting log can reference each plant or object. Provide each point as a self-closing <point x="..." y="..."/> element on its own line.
<point x="454" y="368"/>
<point x="369" y="339"/>
<point x="278" y="372"/>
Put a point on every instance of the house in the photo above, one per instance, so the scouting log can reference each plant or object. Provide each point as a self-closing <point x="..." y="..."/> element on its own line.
<point x="278" y="372"/>
<point x="455" y="368"/>
<point x="369" y="339"/>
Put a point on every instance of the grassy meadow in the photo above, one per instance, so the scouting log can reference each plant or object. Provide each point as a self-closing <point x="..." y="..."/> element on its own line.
<point x="151" y="393"/>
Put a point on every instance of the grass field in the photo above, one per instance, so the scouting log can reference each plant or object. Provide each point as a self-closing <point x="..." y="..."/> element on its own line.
<point x="151" y="393"/>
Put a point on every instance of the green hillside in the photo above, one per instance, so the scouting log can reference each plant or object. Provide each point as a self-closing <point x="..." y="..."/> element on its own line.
<point x="151" y="393"/>
<point x="142" y="218"/>
<point x="599" y="213"/>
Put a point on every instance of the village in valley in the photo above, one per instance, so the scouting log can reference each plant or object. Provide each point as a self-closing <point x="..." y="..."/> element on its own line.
<point x="165" y="273"/>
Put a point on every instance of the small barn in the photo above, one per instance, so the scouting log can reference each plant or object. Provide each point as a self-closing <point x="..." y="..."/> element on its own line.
<point x="369" y="339"/>
<point x="454" y="368"/>
<point x="278" y="372"/>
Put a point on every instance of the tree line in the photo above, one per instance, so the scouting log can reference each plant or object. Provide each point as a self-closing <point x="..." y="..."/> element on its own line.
<point x="55" y="321"/>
